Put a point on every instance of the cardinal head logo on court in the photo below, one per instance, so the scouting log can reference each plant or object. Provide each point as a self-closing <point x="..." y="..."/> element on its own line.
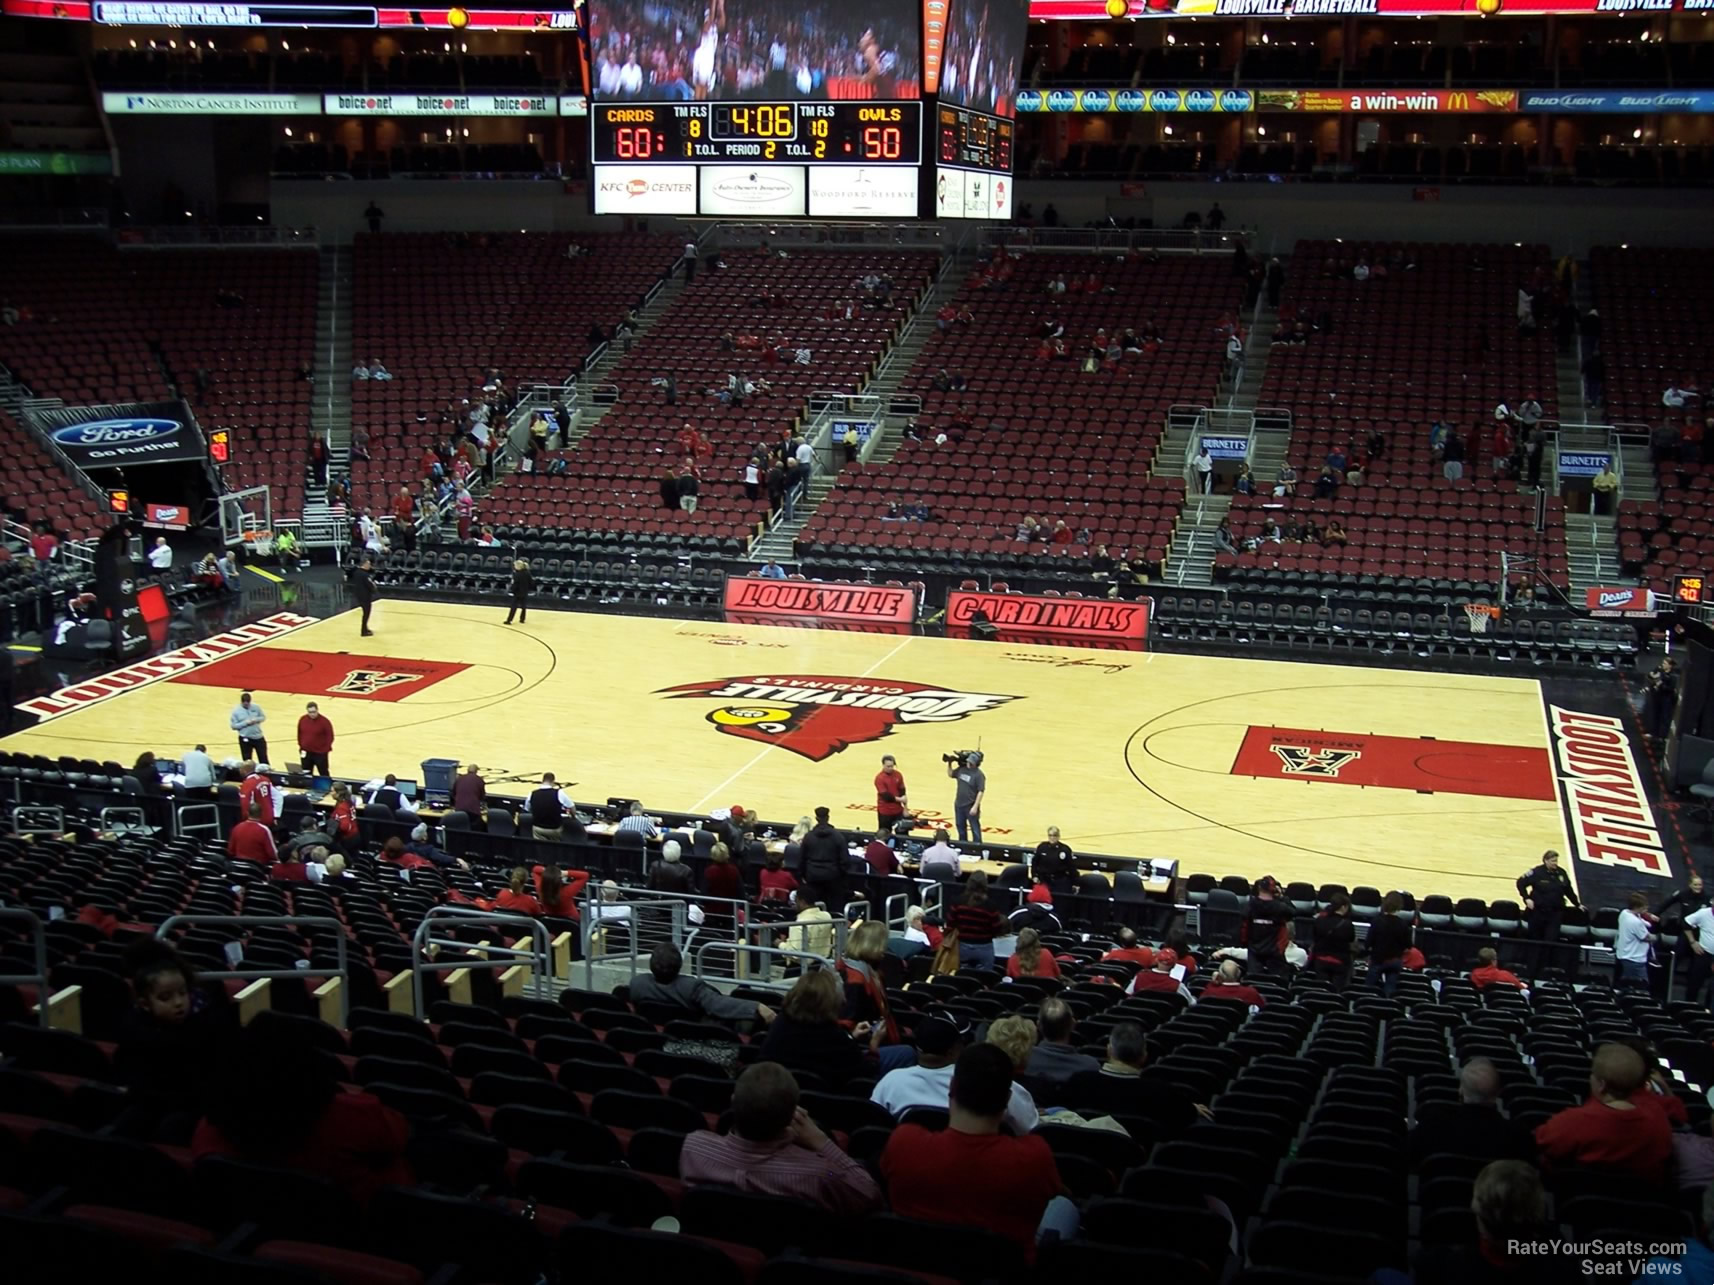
<point x="366" y="682"/>
<point x="817" y="715"/>
<point x="1300" y="760"/>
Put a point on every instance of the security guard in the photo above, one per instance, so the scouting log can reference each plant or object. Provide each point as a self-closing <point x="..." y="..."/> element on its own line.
<point x="1545" y="890"/>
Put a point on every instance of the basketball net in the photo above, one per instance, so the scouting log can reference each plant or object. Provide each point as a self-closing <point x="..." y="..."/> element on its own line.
<point x="1479" y="614"/>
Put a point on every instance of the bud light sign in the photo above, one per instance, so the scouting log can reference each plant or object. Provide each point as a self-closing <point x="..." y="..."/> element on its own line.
<point x="118" y="441"/>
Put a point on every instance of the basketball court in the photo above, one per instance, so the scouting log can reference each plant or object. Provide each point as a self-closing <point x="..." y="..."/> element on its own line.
<point x="1319" y="772"/>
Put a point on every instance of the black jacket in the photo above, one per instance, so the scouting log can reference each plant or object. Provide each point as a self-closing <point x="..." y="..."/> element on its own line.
<point x="1549" y="889"/>
<point x="824" y="854"/>
<point x="522" y="583"/>
<point x="671" y="876"/>
<point x="1333" y="937"/>
<point x="1389" y="938"/>
<point x="1264" y="926"/>
<point x="547" y="812"/>
<point x="363" y="586"/>
<point x="822" y="1048"/>
<point x="1054" y="864"/>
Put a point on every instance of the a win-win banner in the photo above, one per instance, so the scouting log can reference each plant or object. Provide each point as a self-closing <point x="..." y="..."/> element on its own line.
<point x="96" y="437"/>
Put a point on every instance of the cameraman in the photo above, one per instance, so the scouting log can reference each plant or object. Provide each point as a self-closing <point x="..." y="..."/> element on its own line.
<point x="965" y="767"/>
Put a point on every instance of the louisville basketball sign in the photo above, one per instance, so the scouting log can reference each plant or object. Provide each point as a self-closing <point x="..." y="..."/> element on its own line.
<point x="817" y="715"/>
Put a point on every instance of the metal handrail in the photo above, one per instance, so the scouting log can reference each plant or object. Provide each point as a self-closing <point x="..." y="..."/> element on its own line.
<point x="39" y="941"/>
<point x="699" y="961"/>
<point x="1110" y="240"/>
<point x="539" y="958"/>
<point x="342" y="972"/>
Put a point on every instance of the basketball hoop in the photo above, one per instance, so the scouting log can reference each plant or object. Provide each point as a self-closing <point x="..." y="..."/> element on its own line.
<point x="1479" y="614"/>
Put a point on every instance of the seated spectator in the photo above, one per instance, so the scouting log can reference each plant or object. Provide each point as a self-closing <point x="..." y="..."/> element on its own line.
<point x="1474" y="1127"/>
<point x="813" y="926"/>
<point x="1326" y="484"/>
<point x="865" y="1006"/>
<point x="941" y="1036"/>
<point x="1333" y="535"/>
<point x="970" y="1174"/>
<point x="635" y="819"/>
<point x="251" y="840"/>
<point x="920" y="931"/>
<point x="670" y="874"/>
<point x="807" y="1036"/>
<point x="558" y="890"/>
<point x="1489" y="973"/>
<point x="1056" y="1059"/>
<point x="1285" y="481"/>
<point x="1697" y="1261"/>
<point x="1127" y="950"/>
<point x="940" y="860"/>
<point x="1036" y="914"/>
<point x="668" y="987"/>
<point x="1294" y="955"/>
<point x="1515" y="1240"/>
<point x="1031" y="958"/>
<point x="1616" y="1129"/>
<point x="775" y="1149"/>
<point x="880" y="855"/>
<point x="168" y="1044"/>
<point x="776" y="883"/>
<point x="301" y="1120"/>
<point x="1116" y="1087"/>
<point x="1228" y="984"/>
<point x="517" y="898"/>
<point x="1160" y="978"/>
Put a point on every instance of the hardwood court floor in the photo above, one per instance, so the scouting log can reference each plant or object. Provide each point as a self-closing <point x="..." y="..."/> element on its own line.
<point x="1427" y="781"/>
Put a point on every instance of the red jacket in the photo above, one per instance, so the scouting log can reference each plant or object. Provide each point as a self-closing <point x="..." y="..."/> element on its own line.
<point x="1046" y="965"/>
<point x="251" y="841"/>
<point x="565" y="905"/>
<point x="1482" y="978"/>
<point x="1637" y="1142"/>
<point x="1136" y="955"/>
<point x="518" y="903"/>
<point x="315" y="735"/>
<point x="776" y="885"/>
<point x="1240" y="992"/>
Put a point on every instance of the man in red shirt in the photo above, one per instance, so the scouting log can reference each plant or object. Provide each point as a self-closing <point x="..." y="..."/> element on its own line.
<point x="1128" y="951"/>
<point x="971" y="1175"/>
<point x="879" y="854"/>
<point x="1617" y="1128"/>
<point x="1489" y="973"/>
<point x="889" y="793"/>
<point x="1160" y="978"/>
<point x="256" y="790"/>
<point x="1228" y="983"/>
<point x="315" y="740"/>
<point x="250" y="840"/>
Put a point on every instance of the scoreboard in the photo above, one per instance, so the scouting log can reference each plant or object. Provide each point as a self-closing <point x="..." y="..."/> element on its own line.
<point x="841" y="159"/>
<point x="843" y="133"/>
<point x="973" y="155"/>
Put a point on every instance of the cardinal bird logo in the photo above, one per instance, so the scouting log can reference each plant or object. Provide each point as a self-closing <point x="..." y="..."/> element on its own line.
<point x="817" y="715"/>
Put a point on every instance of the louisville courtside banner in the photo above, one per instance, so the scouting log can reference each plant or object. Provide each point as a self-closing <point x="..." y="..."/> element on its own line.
<point x="1064" y="619"/>
<point x="759" y="598"/>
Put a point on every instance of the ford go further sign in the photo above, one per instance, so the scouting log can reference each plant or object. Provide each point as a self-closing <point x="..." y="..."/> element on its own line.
<point x="118" y="441"/>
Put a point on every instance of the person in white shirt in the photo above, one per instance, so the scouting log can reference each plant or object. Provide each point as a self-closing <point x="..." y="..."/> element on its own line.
<point x="805" y="454"/>
<point x="941" y="853"/>
<point x="630" y="78"/>
<point x="360" y="371"/>
<point x="913" y="926"/>
<point x="198" y="769"/>
<point x="161" y="556"/>
<point x="1674" y="397"/>
<point x="378" y="371"/>
<point x="1632" y="946"/>
<point x="1203" y="464"/>
<point x="940" y="1039"/>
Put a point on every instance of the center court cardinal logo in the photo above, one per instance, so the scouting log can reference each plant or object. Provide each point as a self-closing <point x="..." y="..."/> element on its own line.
<point x="1300" y="760"/>
<point x="817" y="715"/>
<point x="366" y="682"/>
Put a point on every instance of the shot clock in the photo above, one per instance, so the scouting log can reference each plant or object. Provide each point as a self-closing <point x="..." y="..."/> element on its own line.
<point x="842" y="133"/>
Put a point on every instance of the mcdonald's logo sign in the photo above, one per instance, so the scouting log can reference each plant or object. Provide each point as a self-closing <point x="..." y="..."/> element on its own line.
<point x="1458" y="101"/>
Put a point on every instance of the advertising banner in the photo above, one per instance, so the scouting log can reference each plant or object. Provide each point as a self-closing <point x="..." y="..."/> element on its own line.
<point x="168" y="517"/>
<point x="933" y="43"/>
<point x="573" y="105"/>
<point x="1227" y="448"/>
<point x="1621" y="600"/>
<point x="777" y="190"/>
<point x="1618" y="100"/>
<point x="645" y="189"/>
<point x="1073" y="619"/>
<point x="195" y="13"/>
<point x="440" y="105"/>
<point x="1583" y="463"/>
<point x="1097" y="11"/>
<point x="1227" y="101"/>
<point x="55" y="163"/>
<point x="95" y="437"/>
<point x="758" y="598"/>
<point x="181" y="104"/>
<point x="870" y="192"/>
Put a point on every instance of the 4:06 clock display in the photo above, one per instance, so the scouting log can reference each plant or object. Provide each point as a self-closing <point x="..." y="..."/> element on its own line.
<point x="856" y="133"/>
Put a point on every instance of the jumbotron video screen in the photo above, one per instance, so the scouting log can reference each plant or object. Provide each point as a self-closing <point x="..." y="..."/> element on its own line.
<point x="984" y="54"/>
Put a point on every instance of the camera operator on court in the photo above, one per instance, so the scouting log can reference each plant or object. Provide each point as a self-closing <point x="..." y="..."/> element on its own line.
<point x="965" y="767"/>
